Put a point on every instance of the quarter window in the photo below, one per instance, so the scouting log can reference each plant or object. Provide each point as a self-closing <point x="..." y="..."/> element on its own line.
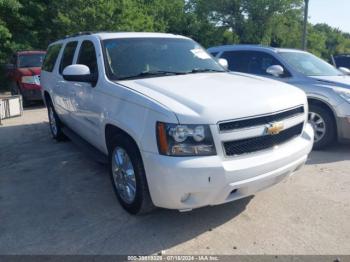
<point x="68" y="55"/>
<point x="51" y="57"/>
<point x="87" y="56"/>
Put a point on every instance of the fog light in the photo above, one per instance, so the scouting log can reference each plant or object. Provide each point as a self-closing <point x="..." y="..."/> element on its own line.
<point x="185" y="197"/>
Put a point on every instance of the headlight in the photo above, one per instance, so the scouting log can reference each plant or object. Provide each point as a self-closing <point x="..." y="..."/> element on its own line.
<point x="34" y="80"/>
<point x="185" y="140"/>
<point x="344" y="93"/>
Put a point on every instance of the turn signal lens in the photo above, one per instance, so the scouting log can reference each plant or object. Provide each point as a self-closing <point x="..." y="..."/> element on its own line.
<point x="162" y="139"/>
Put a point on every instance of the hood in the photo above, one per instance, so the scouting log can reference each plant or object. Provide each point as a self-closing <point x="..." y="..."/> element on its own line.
<point x="207" y="98"/>
<point x="339" y="81"/>
<point x="29" y="71"/>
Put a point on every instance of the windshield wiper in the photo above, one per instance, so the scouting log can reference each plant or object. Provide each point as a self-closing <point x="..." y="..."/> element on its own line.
<point x="152" y="73"/>
<point x="204" y="70"/>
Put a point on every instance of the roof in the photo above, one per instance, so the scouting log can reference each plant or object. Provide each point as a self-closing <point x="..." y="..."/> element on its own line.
<point x="28" y="52"/>
<point x="111" y="35"/>
<point x="104" y="36"/>
<point x="342" y="55"/>
<point x="251" y="47"/>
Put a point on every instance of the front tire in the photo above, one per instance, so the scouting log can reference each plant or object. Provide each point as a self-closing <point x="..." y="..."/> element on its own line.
<point x="128" y="176"/>
<point x="324" y="126"/>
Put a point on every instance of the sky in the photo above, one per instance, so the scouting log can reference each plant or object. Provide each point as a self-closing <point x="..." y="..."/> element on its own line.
<point x="335" y="13"/>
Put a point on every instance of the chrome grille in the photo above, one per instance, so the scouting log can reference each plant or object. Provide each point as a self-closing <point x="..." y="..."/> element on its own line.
<point x="261" y="120"/>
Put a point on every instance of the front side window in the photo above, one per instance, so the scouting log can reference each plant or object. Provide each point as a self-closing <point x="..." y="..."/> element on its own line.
<point x="30" y="60"/>
<point x="148" y="57"/>
<point x="87" y="56"/>
<point x="309" y="64"/>
<point x="251" y="62"/>
<point x="68" y="55"/>
<point x="51" y="57"/>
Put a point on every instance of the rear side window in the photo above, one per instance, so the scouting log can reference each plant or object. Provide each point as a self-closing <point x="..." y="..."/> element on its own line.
<point x="51" y="57"/>
<point x="214" y="53"/>
<point x="342" y="61"/>
<point x="87" y="56"/>
<point x="68" y="55"/>
<point x="237" y="61"/>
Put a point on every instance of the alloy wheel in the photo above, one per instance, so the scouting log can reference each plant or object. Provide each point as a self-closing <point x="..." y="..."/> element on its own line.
<point x="318" y="124"/>
<point x="123" y="175"/>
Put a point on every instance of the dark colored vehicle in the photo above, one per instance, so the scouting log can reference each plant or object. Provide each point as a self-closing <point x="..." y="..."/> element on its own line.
<point x="341" y="61"/>
<point x="24" y="74"/>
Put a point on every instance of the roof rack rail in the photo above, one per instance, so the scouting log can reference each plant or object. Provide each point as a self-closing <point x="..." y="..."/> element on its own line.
<point x="79" y="34"/>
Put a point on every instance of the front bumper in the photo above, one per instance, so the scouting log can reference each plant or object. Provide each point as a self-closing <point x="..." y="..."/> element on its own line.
<point x="31" y="92"/>
<point x="215" y="180"/>
<point x="344" y="129"/>
<point x="343" y="122"/>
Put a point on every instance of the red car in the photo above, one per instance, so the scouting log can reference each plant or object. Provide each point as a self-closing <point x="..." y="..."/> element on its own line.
<point x="24" y="74"/>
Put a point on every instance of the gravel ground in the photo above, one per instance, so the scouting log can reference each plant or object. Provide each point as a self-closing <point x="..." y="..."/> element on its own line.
<point x="56" y="200"/>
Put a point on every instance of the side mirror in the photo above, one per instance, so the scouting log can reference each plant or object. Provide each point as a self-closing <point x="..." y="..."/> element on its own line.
<point x="223" y="62"/>
<point x="344" y="70"/>
<point x="78" y="73"/>
<point x="275" y="70"/>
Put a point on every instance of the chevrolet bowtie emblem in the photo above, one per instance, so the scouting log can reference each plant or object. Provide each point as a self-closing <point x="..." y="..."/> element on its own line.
<point x="275" y="128"/>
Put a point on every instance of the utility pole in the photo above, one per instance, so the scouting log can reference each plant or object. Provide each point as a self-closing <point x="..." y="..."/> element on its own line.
<point x="306" y="13"/>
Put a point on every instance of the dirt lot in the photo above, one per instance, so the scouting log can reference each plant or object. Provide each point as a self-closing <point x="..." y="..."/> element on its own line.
<point x="56" y="200"/>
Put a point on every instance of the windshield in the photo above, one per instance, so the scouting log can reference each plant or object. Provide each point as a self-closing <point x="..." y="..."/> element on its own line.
<point x="31" y="60"/>
<point x="149" y="57"/>
<point x="309" y="64"/>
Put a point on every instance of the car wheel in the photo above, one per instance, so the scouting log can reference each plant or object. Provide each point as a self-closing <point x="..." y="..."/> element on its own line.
<point x="128" y="176"/>
<point x="14" y="88"/>
<point x="55" y="123"/>
<point x="323" y="124"/>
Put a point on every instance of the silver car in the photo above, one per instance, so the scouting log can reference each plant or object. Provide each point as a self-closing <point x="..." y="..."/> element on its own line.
<point x="327" y="88"/>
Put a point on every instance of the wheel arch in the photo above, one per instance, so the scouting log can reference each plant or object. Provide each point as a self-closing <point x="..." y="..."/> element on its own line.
<point x="47" y="98"/>
<point x="111" y="130"/>
<point x="326" y="106"/>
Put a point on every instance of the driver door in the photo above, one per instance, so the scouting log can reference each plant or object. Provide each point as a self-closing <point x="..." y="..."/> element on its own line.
<point x="86" y="112"/>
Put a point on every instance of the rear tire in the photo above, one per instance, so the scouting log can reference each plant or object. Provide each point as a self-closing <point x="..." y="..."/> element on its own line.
<point x="324" y="126"/>
<point x="55" y="123"/>
<point x="128" y="176"/>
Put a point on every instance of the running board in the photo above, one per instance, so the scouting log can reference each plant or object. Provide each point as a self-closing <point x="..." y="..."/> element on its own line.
<point x="85" y="146"/>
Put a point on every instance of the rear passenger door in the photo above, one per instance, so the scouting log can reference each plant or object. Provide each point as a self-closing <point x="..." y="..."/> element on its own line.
<point x="49" y="77"/>
<point x="66" y="88"/>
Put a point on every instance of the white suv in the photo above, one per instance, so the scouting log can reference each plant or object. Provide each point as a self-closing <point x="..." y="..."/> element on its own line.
<point x="179" y="131"/>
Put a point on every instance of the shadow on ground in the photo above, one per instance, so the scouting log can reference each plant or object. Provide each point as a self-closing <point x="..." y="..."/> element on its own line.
<point x="34" y="105"/>
<point x="335" y="153"/>
<point x="56" y="200"/>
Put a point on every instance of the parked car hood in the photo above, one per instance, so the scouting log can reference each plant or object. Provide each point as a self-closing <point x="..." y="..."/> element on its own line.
<point x="208" y="98"/>
<point x="339" y="81"/>
<point x="29" y="71"/>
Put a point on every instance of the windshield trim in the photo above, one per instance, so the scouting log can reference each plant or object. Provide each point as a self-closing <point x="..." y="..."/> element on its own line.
<point x="113" y="78"/>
